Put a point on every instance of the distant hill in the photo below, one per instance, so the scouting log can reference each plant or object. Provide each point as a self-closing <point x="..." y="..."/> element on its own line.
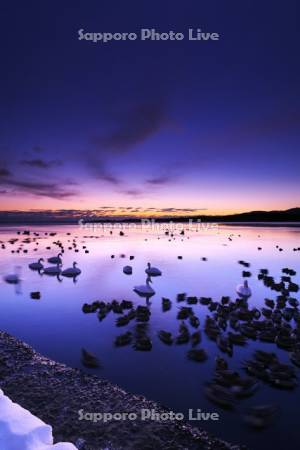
<point x="73" y="216"/>
<point x="290" y="215"/>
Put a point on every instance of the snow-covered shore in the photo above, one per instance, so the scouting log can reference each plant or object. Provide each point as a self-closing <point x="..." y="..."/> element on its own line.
<point x="19" y="429"/>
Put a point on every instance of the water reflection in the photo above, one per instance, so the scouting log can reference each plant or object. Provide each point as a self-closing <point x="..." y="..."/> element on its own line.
<point x="154" y="357"/>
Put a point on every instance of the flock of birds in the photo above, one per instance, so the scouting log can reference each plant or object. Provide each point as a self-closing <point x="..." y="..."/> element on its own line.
<point x="55" y="269"/>
<point x="229" y="323"/>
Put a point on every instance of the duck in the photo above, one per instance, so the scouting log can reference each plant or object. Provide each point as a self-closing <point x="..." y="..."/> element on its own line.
<point x="143" y="343"/>
<point x="194" y="321"/>
<point x="260" y="416"/>
<point x="52" y="270"/>
<point x="165" y="337"/>
<point x="166" y="304"/>
<point x="88" y="359"/>
<point x="195" y="338"/>
<point x="36" y="265"/>
<point x="145" y="290"/>
<point x="55" y="259"/>
<point x="13" y="278"/>
<point x="198" y="355"/>
<point x="243" y="289"/>
<point x="153" y="271"/>
<point x="123" y="339"/>
<point x="219" y="395"/>
<point x="142" y="314"/>
<point x="71" y="271"/>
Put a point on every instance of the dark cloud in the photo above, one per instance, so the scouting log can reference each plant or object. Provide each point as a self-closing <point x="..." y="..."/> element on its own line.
<point x="157" y="181"/>
<point x="99" y="170"/>
<point x="181" y="209"/>
<point x="135" y="126"/>
<point x="4" y="172"/>
<point x="40" y="163"/>
<point x="133" y="192"/>
<point x="57" y="191"/>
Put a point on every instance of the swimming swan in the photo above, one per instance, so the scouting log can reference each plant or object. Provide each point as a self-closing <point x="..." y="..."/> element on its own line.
<point x="243" y="289"/>
<point x="71" y="271"/>
<point x="36" y="265"/>
<point x="145" y="290"/>
<point x="55" y="259"/>
<point x="13" y="278"/>
<point x="152" y="271"/>
<point x="52" y="270"/>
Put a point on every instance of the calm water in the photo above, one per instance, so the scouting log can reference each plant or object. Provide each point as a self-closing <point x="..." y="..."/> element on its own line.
<point x="56" y="326"/>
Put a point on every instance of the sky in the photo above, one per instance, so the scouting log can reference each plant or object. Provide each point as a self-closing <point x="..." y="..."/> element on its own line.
<point x="149" y="126"/>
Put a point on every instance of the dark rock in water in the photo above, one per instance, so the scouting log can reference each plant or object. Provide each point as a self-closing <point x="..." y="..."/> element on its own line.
<point x="127" y="270"/>
<point x="35" y="295"/>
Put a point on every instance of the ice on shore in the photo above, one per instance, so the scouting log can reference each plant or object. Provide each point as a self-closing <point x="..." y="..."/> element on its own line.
<point x="19" y="429"/>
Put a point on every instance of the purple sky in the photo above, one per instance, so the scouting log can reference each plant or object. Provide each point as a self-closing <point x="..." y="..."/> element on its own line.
<point x="158" y="124"/>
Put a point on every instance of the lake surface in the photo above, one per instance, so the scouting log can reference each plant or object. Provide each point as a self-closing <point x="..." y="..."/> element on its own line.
<point x="56" y="326"/>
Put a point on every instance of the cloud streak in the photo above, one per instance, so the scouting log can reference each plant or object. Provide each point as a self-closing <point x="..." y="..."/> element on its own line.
<point x="40" y="163"/>
<point x="134" y="127"/>
<point x="40" y="189"/>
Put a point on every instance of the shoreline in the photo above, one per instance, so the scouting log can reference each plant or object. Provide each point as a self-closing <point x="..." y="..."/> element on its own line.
<point x="55" y="393"/>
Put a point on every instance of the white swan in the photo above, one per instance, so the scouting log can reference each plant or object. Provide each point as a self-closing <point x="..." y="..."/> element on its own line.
<point x="243" y="289"/>
<point x="153" y="271"/>
<point x="52" y="270"/>
<point x="55" y="259"/>
<point x="36" y="265"/>
<point x="145" y="290"/>
<point x="13" y="278"/>
<point x="71" y="271"/>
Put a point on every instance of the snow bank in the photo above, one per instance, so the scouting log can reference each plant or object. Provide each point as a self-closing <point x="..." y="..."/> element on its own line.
<point x="20" y="430"/>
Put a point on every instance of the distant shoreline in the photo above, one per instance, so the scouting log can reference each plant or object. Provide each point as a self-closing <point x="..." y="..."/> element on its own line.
<point x="241" y="224"/>
<point x="289" y="217"/>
